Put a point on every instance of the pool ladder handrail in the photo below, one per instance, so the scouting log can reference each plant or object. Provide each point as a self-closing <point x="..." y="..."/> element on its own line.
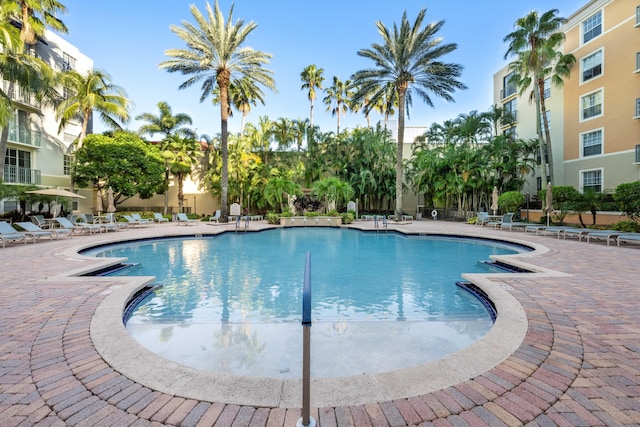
<point x="376" y="223"/>
<point x="246" y="222"/>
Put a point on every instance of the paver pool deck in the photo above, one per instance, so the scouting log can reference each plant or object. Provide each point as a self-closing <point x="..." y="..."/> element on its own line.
<point x="577" y="364"/>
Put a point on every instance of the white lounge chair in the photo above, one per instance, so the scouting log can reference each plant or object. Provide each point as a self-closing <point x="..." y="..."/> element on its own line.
<point x="132" y="222"/>
<point x="628" y="238"/>
<point x="30" y="229"/>
<point x="138" y="218"/>
<point x="215" y="217"/>
<point x="157" y="217"/>
<point x="8" y="234"/>
<point x="78" y="228"/>
<point x="183" y="218"/>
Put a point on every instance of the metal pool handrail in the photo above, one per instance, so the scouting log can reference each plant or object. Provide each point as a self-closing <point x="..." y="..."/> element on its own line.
<point x="306" y="420"/>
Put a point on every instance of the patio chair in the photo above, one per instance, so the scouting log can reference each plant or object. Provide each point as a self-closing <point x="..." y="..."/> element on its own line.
<point x="30" y="229"/>
<point x="110" y="218"/>
<point x="482" y="219"/>
<point x="506" y="219"/>
<point x="183" y="218"/>
<point x="138" y="218"/>
<point x="628" y="238"/>
<point x="78" y="228"/>
<point x="132" y="222"/>
<point x="215" y="217"/>
<point x="8" y="234"/>
<point x="40" y="221"/>
<point x="157" y="217"/>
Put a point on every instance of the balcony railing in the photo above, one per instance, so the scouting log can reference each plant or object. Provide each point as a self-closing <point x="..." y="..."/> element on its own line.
<point x="25" y="136"/>
<point x="18" y="175"/>
<point x="21" y="95"/>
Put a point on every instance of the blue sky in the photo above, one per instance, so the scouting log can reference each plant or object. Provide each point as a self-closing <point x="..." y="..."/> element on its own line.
<point x="128" y="40"/>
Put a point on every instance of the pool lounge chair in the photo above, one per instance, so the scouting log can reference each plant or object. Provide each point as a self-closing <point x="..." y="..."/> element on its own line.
<point x="157" y="217"/>
<point x="35" y="232"/>
<point x="215" y="217"/>
<point x="507" y="222"/>
<point x="606" y="235"/>
<point x="183" y="218"/>
<point x="78" y="228"/>
<point x="482" y="219"/>
<point x="8" y="234"/>
<point x="110" y="218"/>
<point x="535" y="228"/>
<point x="628" y="238"/>
<point x="137" y="217"/>
<point x="40" y="221"/>
<point x="132" y="222"/>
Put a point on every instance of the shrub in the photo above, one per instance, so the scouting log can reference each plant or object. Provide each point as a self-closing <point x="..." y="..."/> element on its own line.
<point x="510" y="201"/>
<point x="626" y="226"/>
<point x="272" y="218"/>
<point x="333" y="212"/>
<point x="311" y="214"/>
<point x="627" y="196"/>
<point x="348" y="217"/>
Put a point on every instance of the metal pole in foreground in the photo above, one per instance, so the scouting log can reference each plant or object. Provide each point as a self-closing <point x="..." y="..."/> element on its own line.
<point x="306" y="420"/>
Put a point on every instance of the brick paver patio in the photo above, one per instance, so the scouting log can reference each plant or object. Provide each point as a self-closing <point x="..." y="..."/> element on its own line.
<point x="579" y="364"/>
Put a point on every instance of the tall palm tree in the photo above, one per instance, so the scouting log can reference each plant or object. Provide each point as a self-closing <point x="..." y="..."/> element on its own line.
<point x="166" y="124"/>
<point x="181" y="154"/>
<point x="337" y="98"/>
<point x="283" y="132"/>
<point x="312" y="79"/>
<point x="214" y="56"/>
<point x="536" y="43"/>
<point x="409" y="58"/>
<point x="88" y="93"/>
<point x="243" y="93"/>
<point x="34" y="76"/>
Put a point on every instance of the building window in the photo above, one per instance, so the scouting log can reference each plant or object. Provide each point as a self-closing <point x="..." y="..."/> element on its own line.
<point x="17" y="166"/>
<point x="539" y="183"/>
<point x="510" y="132"/>
<point x="510" y="111"/>
<point x="508" y="86"/>
<point x="591" y="143"/>
<point x="637" y="15"/>
<point x="591" y="66"/>
<point x="592" y="180"/>
<point x="68" y="62"/>
<point x="548" y="114"/>
<point x="592" y="27"/>
<point x="68" y="163"/>
<point x="637" y="62"/>
<point x="547" y="88"/>
<point x="591" y="105"/>
<point x="637" y="108"/>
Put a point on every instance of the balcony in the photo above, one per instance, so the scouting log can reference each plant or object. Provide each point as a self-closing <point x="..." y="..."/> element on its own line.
<point x="22" y="135"/>
<point x="20" y="95"/>
<point x="18" y="175"/>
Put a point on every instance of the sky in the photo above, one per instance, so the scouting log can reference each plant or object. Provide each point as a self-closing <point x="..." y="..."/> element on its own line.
<point x="128" y="40"/>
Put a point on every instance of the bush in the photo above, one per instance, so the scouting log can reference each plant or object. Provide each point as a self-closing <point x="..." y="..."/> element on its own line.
<point x="333" y="212"/>
<point x="272" y="218"/>
<point x="626" y="226"/>
<point x="311" y="214"/>
<point x="510" y="201"/>
<point x="348" y="217"/>
<point x="627" y="196"/>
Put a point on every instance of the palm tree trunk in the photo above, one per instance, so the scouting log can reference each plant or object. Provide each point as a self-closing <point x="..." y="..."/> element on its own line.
<point x="541" y="142"/>
<point x="223" y="83"/>
<point x="545" y="122"/>
<point x="311" y="114"/>
<point x="401" y="97"/>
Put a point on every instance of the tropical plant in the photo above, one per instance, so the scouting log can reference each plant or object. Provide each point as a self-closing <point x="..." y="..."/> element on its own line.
<point x="181" y="154"/>
<point x="278" y="184"/>
<point x="123" y="162"/>
<point x="88" y="93"/>
<point x="312" y="79"/>
<point x="214" y="56"/>
<point x="166" y="124"/>
<point x="337" y="98"/>
<point x="627" y="196"/>
<point x="536" y="44"/>
<point x="409" y="58"/>
<point x="589" y="201"/>
<point x="510" y="201"/>
<point x="333" y="190"/>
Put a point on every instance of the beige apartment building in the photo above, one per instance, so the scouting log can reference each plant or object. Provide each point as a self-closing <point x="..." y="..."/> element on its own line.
<point x="595" y="115"/>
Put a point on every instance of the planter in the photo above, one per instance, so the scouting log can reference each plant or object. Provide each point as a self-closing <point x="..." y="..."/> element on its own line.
<point x="316" y="221"/>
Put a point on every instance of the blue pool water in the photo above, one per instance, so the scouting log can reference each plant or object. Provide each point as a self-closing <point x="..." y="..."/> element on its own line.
<point x="380" y="302"/>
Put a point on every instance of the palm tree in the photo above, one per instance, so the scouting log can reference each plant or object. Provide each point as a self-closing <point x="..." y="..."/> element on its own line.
<point x="312" y="79"/>
<point x="214" y="56"/>
<point x="34" y="17"/>
<point x="535" y="43"/>
<point x="409" y="59"/>
<point x="181" y="154"/>
<point x="283" y="132"/>
<point x="88" y="93"/>
<point x="337" y="98"/>
<point x="167" y="124"/>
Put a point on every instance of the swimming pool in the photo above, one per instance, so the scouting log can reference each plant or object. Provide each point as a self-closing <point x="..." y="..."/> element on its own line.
<point x="232" y="303"/>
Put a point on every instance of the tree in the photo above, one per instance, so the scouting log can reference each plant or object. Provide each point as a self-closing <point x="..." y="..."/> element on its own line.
<point x="536" y="44"/>
<point x="123" y="162"/>
<point x="337" y="98"/>
<point x="168" y="125"/>
<point x="181" y="155"/>
<point x="627" y="196"/>
<point x="18" y="67"/>
<point x="214" y="56"/>
<point x="409" y="58"/>
<point x="88" y="93"/>
<point x="333" y="190"/>
<point x="278" y="184"/>
<point x="312" y="79"/>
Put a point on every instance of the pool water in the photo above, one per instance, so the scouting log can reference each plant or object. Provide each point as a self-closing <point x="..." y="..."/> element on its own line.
<point x="380" y="301"/>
